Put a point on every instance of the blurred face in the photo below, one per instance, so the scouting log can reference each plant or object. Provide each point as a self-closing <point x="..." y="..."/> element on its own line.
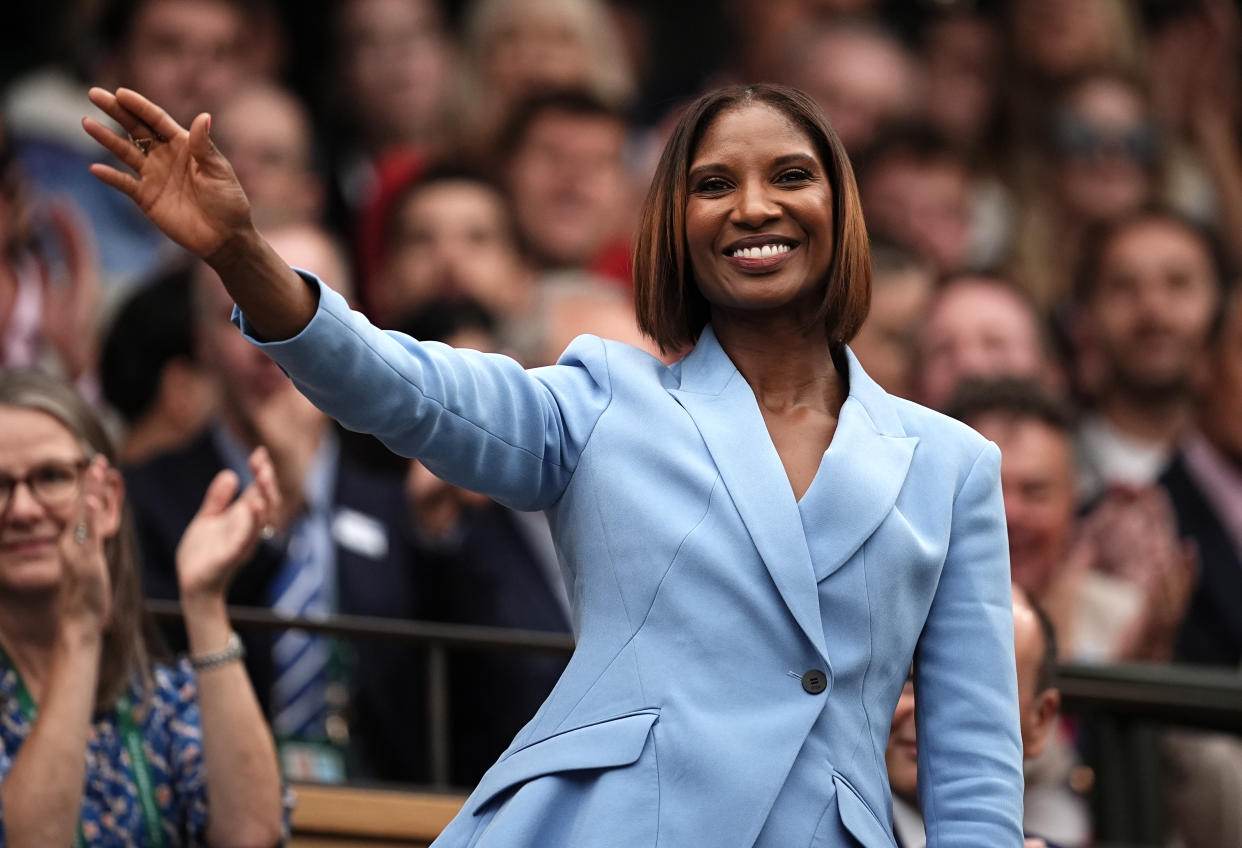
<point x="452" y="237"/>
<point x="568" y="186"/>
<point x="1105" y="145"/>
<point x="1060" y="37"/>
<point x="924" y="205"/>
<point x="759" y="228"/>
<point x="396" y="64"/>
<point x="902" y="754"/>
<point x="885" y="343"/>
<point x="1222" y="412"/>
<point x="537" y="47"/>
<point x="961" y="77"/>
<point x="1152" y="305"/>
<point x="861" y="81"/>
<point x="185" y="55"/>
<point x="37" y="448"/>
<point x="246" y="376"/>
<point x="1037" y="478"/>
<point x="976" y="329"/>
<point x="264" y="134"/>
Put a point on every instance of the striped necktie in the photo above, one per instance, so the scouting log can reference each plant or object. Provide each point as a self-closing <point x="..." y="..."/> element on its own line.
<point x="300" y="660"/>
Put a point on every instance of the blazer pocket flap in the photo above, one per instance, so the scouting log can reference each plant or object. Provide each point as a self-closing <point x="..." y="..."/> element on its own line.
<point x="607" y="744"/>
<point x="857" y="817"/>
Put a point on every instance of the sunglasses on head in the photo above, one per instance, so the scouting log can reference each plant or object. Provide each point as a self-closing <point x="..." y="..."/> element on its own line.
<point x="1075" y="138"/>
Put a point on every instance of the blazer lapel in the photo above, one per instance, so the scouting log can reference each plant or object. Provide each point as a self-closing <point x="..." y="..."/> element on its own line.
<point x="861" y="474"/>
<point x="724" y="409"/>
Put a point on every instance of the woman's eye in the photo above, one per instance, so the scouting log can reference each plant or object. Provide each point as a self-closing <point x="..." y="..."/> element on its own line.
<point x="794" y="175"/>
<point x="51" y="475"/>
<point x="709" y="185"/>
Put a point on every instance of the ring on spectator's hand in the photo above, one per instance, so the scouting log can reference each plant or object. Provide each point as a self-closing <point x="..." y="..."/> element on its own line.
<point x="143" y="144"/>
<point x="80" y="534"/>
<point x="267" y="533"/>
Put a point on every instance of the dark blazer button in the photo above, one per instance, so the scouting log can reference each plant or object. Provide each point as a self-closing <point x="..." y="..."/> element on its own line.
<point x="814" y="681"/>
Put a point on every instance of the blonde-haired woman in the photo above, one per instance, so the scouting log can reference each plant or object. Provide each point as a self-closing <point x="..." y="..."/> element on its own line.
<point x="99" y="745"/>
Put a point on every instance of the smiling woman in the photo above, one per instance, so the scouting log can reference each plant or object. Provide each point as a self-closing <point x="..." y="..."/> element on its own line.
<point x="759" y="541"/>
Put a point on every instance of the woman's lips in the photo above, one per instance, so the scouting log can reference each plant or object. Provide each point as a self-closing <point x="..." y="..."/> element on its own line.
<point x="26" y="547"/>
<point x="761" y="264"/>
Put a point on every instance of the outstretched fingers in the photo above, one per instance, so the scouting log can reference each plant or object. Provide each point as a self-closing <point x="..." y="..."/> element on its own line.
<point x="147" y="112"/>
<point x="121" y="148"/>
<point x="123" y="183"/>
<point x="107" y="103"/>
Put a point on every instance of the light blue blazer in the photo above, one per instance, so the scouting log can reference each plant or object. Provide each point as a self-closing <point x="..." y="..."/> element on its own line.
<point x="739" y="653"/>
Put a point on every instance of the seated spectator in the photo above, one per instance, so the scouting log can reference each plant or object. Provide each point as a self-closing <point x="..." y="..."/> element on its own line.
<point x="148" y="371"/>
<point x="901" y="287"/>
<point x="45" y="321"/>
<point x="339" y="545"/>
<point x="266" y="134"/>
<point x="488" y="566"/>
<point x="189" y="53"/>
<point x="123" y="750"/>
<point x="451" y="234"/>
<point x="979" y="325"/>
<point x="562" y="160"/>
<point x="1146" y="296"/>
<point x="916" y="189"/>
<point x="1116" y="582"/>
<point x="1039" y="705"/>
<point x="1204" y="481"/>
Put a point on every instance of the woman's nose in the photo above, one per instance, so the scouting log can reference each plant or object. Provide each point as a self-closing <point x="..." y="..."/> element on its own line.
<point x="755" y="204"/>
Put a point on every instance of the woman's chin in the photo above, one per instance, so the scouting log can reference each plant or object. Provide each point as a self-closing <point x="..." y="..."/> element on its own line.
<point x="29" y="577"/>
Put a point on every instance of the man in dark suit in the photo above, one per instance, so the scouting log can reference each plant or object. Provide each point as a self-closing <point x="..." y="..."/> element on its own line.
<point x="1204" y="481"/>
<point x="339" y="545"/>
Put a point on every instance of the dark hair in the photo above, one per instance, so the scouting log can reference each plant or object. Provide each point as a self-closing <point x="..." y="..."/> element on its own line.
<point x="921" y="144"/>
<point x="575" y="102"/>
<point x="116" y="22"/>
<point x="152" y="328"/>
<point x="125" y="650"/>
<point x="669" y="306"/>
<point x="1047" y="676"/>
<point x="1101" y="236"/>
<point x="443" y="171"/>
<point x="1018" y="398"/>
<point x="443" y="317"/>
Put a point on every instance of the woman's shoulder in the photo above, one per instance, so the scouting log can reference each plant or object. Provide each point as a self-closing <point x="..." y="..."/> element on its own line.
<point x="953" y="442"/>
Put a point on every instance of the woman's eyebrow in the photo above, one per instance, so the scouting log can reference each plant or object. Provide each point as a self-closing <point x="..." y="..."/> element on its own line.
<point x="786" y="159"/>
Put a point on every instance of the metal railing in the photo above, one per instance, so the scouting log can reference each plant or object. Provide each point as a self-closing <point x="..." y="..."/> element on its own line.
<point x="1124" y="705"/>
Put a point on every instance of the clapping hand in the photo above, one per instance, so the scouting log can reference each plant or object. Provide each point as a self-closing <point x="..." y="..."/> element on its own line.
<point x="180" y="181"/>
<point x="225" y="531"/>
<point x="85" y="594"/>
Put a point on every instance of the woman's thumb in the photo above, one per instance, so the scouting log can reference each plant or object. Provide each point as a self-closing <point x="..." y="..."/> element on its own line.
<point x="201" y="146"/>
<point x="219" y="493"/>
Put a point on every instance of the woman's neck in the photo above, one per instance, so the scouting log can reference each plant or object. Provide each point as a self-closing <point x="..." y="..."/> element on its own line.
<point x="785" y="365"/>
<point x="29" y="634"/>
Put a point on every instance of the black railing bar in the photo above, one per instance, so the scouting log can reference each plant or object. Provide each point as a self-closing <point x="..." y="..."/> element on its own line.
<point x="438" y="729"/>
<point x="401" y="630"/>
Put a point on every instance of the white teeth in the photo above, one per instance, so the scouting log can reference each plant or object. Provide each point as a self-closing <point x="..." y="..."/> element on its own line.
<point x="761" y="252"/>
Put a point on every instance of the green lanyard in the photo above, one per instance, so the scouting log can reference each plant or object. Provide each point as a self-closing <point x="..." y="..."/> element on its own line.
<point x="132" y="738"/>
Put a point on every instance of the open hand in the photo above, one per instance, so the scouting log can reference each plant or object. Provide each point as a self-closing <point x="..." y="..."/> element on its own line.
<point x="85" y="594"/>
<point x="224" y="532"/>
<point x="182" y="183"/>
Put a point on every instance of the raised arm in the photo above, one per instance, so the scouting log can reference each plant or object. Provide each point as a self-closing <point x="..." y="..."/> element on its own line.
<point x="188" y="189"/>
<point x="239" y="757"/>
<point x="42" y="794"/>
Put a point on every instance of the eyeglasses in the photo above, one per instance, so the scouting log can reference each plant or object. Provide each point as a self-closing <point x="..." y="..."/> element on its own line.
<point x="52" y="484"/>
<point x="1075" y="138"/>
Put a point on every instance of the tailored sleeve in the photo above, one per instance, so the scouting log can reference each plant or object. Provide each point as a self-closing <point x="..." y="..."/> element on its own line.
<point x="966" y="688"/>
<point x="477" y="420"/>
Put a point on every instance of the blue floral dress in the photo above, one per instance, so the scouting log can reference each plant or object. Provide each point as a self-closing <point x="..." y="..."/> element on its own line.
<point x="172" y="741"/>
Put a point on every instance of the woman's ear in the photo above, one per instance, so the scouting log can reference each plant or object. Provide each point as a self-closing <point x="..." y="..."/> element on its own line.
<point x="113" y="496"/>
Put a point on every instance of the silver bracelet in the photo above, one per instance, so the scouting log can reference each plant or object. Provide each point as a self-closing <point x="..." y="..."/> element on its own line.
<point x="233" y="650"/>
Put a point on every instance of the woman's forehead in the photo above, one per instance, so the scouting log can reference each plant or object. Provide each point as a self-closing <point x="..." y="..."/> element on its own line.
<point x="27" y="432"/>
<point x="753" y="130"/>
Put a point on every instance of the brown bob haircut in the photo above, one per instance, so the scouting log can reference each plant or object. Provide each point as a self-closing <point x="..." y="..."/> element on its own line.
<point x="670" y="308"/>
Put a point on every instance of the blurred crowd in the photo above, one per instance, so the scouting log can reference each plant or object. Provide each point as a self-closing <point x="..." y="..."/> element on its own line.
<point x="1053" y="190"/>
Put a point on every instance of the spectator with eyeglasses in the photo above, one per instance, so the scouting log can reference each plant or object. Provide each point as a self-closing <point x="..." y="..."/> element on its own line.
<point x="99" y="744"/>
